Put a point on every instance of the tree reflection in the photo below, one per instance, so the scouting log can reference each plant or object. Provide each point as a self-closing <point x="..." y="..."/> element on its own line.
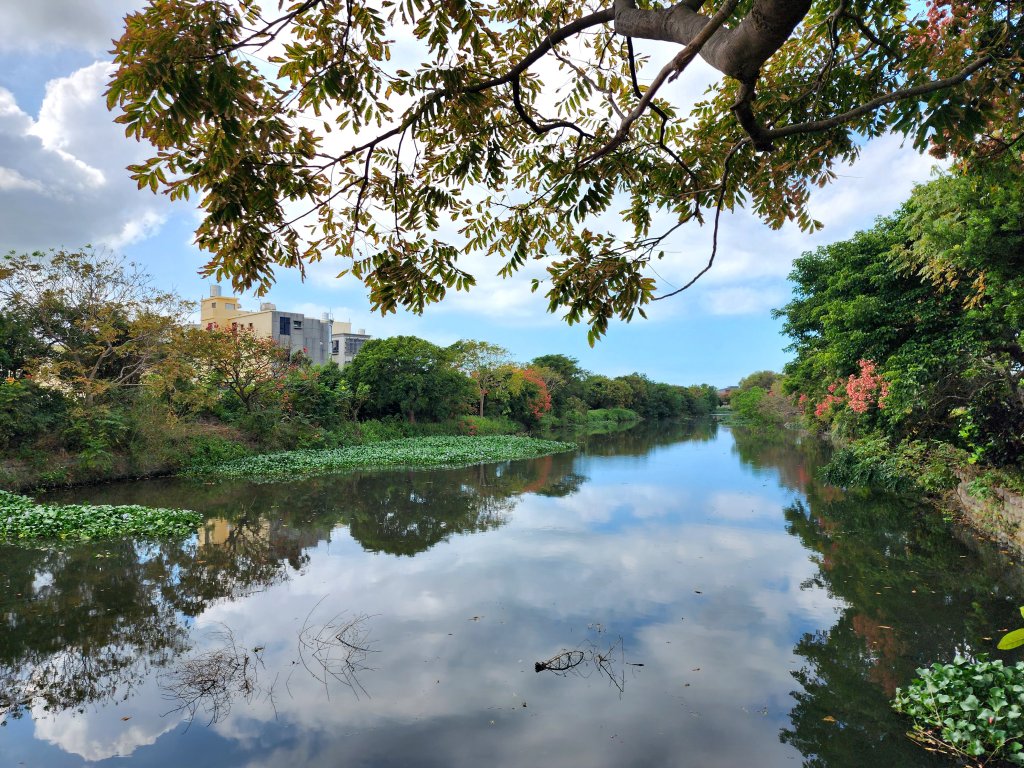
<point x="645" y="436"/>
<point x="88" y="623"/>
<point x="913" y="593"/>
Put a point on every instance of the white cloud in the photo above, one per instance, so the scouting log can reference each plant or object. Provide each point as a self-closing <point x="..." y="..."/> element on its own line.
<point x="37" y="25"/>
<point x="63" y="180"/>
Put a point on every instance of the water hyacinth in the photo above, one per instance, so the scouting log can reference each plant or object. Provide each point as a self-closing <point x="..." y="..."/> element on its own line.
<point x="408" y="452"/>
<point x="23" y="519"/>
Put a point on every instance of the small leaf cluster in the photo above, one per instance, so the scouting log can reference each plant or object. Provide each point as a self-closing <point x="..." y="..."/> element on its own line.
<point x="971" y="709"/>
<point x="408" y="452"/>
<point x="22" y="519"/>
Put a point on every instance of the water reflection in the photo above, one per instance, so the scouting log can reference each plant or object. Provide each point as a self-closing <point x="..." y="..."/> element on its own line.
<point x="690" y="595"/>
<point x="912" y="594"/>
<point x="89" y="623"/>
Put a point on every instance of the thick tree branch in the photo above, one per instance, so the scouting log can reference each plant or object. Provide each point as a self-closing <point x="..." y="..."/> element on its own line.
<point x="739" y="52"/>
<point x="669" y="72"/>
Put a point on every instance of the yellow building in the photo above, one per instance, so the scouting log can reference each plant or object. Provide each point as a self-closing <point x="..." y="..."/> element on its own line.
<point x="291" y="330"/>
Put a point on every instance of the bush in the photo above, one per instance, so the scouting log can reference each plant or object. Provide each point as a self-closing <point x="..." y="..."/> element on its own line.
<point x="213" y="449"/>
<point x="969" y="709"/>
<point x="615" y="415"/>
<point x="872" y="462"/>
<point x="27" y="412"/>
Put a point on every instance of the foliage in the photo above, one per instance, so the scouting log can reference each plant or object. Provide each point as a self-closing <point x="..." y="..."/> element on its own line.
<point x="409" y="452"/>
<point x="22" y="519"/>
<point x="251" y="368"/>
<point x="482" y="362"/>
<point x="873" y="462"/>
<point x="409" y="376"/>
<point x="761" y="379"/>
<point x="603" y="392"/>
<point x="28" y="412"/>
<point x="213" y="449"/>
<point x="532" y="167"/>
<point x="919" y="347"/>
<point x="97" y="321"/>
<point x="968" y="709"/>
<point x="613" y="415"/>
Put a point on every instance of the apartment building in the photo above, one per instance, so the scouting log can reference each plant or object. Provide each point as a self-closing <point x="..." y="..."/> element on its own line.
<point x="345" y="342"/>
<point x="291" y="330"/>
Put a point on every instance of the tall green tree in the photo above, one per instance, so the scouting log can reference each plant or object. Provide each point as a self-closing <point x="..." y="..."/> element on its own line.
<point x="932" y="298"/>
<point x="98" y="323"/>
<point x="409" y="376"/>
<point x="465" y="129"/>
<point x="482" y="362"/>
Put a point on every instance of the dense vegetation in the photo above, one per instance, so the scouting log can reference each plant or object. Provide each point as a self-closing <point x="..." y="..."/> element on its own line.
<point x="102" y="378"/>
<point x="907" y="338"/>
<point x="22" y="519"/>
<point x="971" y="710"/>
<point x="410" y="452"/>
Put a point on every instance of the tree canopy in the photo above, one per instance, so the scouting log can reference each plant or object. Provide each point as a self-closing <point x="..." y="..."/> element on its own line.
<point x="404" y="136"/>
<point x="930" y="301"/>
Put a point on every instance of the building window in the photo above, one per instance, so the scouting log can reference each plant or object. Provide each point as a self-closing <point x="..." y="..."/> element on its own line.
<point x="250" y="326"/>
<point x="213" y="304"/>
<point x="286" y="326"/>
<point x="353" y="345"/>
<point x="334" y="346"/>
<point x="229" y="306"/>
<point x="297" y="325"/>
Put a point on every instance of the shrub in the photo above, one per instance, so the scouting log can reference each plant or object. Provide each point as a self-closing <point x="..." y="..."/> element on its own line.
<point x="912" y="465"/>
<point x="213" y="449"/>
<point x="617" y="415"/>
<point x="968" y="709"/>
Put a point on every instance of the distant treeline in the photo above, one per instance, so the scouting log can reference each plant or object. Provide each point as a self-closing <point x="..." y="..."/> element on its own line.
<point x="100" y="376"/>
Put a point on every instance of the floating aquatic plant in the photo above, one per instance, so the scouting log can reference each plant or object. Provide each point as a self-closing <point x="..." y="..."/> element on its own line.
<point x="23" y="519"/>
<point x="408" y="452"/>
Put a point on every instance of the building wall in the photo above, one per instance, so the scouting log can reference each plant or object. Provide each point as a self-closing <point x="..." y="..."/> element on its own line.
<point x="346" y="342"/>
<point x="312" y="336"/>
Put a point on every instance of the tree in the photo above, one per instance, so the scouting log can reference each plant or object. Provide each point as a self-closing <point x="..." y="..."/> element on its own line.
<point x="97" y="322"/>
<point x="473" y="136"/>
<point x="250" y="367"/>
<point x="602" y="392"/>
<point x="761" y="379"/>
<point x="923" y="309"/>
<point x="481" y="361"/>
<point x="411" y="377"/>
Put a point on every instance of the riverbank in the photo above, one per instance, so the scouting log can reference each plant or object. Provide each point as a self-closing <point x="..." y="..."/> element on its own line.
<point x="179" y="446"/>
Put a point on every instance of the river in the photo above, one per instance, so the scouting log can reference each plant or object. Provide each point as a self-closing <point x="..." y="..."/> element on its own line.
<point x="667" y="596"/>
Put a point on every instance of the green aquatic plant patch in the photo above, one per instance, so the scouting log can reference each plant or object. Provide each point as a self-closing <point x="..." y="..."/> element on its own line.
<point x="971" y="710"/>
<point x="23" y="519"/>
<point x="408" y="452"/>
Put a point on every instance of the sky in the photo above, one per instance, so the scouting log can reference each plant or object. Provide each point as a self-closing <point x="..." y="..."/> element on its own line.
<point x="63" y="184"/>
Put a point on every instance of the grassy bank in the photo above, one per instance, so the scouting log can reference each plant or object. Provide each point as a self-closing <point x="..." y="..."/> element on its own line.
<point x="169" y="446"/>
<point x="23" y="519"/>
<point x="407" y="452"/>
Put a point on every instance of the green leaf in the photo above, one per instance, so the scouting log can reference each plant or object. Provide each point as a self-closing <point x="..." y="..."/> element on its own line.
<point x="1011" y="640"/>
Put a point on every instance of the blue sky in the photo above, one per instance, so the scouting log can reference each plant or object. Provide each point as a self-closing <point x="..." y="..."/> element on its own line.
<point x="63" y="184"/>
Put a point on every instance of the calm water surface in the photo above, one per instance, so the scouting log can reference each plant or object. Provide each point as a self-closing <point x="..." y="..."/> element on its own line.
<point x="690" y="596"/>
